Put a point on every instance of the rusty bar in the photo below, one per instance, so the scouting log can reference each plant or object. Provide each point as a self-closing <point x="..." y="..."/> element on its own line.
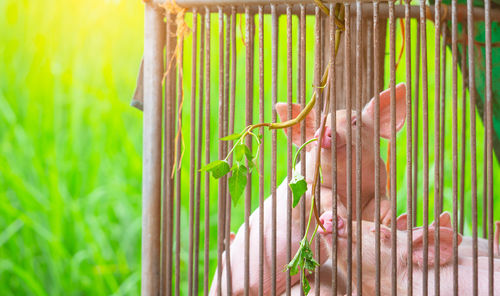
<point x="392" y="161"/>
<point x="376" y="144"/>
<point x="192" y="151"/>
<point x="302" y="101"/>
<point x="274" y="90"/>
<point x="221" y="188"/>
<point x="444" y="34"/>
<point x="261" y="157"/>
<point x="317" y="81"/>
<point x="180" y="99"/>
<point x="333" y="125"/>
<point x="465" y="83"/>
<point x="207" y="151"/>
<point x="415" y="125"/>
<point x="472" y="116"/>
<point x="249" y="52"/>
<point x="230" y="95"/>
<point x="454" y="135"/>
<point x="437" y="161"/>
<point x="347" y="90"/>
<point x="154" y="32"/>
<point x="425" y="142"/>
<point x="198" y="156"/>
<point x="168" y="188"/>
<point x="409" y="199"/>
<point x="489" y="136"/>
<point x="359" y="120"/>
<point x="369" y="58"/>
<point x="289" y="143"/>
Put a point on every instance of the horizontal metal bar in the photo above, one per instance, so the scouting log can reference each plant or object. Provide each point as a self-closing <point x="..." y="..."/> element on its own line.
<point x="366" y="7"/>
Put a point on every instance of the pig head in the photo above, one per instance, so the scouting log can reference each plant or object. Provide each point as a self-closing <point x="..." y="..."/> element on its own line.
<point x="367" y="123"/>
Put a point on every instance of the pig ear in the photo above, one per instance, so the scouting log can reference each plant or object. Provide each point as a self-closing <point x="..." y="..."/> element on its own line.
<point x="401" y="222"/>
<point x="385" y="110"/>
<point x="445" y="245"/>
<point x="310" y="122"/>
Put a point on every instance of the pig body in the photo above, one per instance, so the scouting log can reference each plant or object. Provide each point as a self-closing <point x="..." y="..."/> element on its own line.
<point x="368" y="189"/>
<point x="445" y="263"/>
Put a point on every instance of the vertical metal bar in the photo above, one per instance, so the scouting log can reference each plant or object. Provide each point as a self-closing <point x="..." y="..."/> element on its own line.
<point x="198" y="155"/>
<point x="359" y="120"/>
<point x="489" y="136"/>
<point x="347" y="92"/>
<point x="409" y="199"/>
<point x="393" y="197"/>
<point x="317" y="81"/>
<point x="416" y="125"/>
<point x="437" y="161"/>
<point x="261" y="157"/>
<point x="425" y="140"/>
<point x="289" y="143"/>
<point x="444" y="34"/>
<point x="465" y="83"/>
<point x="376" y="137"/>
<point x="154" y="32"/>
<point x="192" y="161"/>
<point x="333" y="125"/>
<point x="274" y="90"/>
<point x="180" y="98"/>
<point x="369" y="59"/>
<point x="207" y="151"/>
<point x="454" y="128"/>
<point x="168" y="193"/>
<point x="472" y="95"/>
<point x="248" y="119"/>
<point x="221" y="187"/>
<point x="230" y="87"/>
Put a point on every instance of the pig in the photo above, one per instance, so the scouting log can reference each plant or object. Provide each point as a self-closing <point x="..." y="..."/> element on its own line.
<point x="368" y="188"/>
<point x="445" y="259"/>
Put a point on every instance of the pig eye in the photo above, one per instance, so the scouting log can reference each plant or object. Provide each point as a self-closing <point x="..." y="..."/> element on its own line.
<point x="354" y="121"/>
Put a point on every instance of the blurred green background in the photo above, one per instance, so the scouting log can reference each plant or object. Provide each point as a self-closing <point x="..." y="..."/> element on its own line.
<point x="70" y="144"/>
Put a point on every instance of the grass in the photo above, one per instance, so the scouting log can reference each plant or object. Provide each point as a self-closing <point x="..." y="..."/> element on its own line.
<point x="70" y="145"/>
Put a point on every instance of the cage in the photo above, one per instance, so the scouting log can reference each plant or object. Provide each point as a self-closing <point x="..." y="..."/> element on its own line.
<point x="237" y="65"/>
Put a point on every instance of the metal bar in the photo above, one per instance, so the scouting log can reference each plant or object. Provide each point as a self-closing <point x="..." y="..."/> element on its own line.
<point x="261" y="157"/>
<point x="221" y="188"/>
<point x="274" y="90"/>
<point x="454" y="52"/>
<point x="192" y="151"/>
<point x="409" y="199"/>
<point x="154" y="32"/>
<point x="347" y="90"/>
<point x="472" y="115"/>
<point x="180" y="99"/>
<point x="369" y="58"/>
<point x="425" y="140"/>
<point x="289" y="144"/>
<point x="359" y="120"/>
<point x="198" y="156"/>
<point x="333" y="125"/>
<point x="444" y="34"/>
<point x="376" y="144"/>
<point x="489" y="136"/>
<point x="416" y="125"/>
<point x="207" y="151"/>
<point x="249" y="52"/>
<point x="437" y="161"/>
<point x="465" y="82"/>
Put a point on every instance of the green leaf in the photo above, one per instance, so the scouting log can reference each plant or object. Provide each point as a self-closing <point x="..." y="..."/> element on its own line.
<point x="237" y="182"/>
<point x="242" y="150"/>
<point x="298" y="185"/>
<point x="231" y="137"/>
<point x="305" y="284"/>
<point x="218" y="168"/>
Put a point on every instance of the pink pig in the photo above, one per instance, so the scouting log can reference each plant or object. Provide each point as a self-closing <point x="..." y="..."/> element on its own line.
<point x="368" y="188"/>
<point x="445" y="259"/>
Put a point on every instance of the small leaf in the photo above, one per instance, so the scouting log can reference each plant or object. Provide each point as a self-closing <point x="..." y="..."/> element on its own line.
<point x="305" y="284"/>
<point x="298" y="185"/>
<point x="231" y="137"/>
<point x="237" y="182"/>
<point x="218" y="168"/>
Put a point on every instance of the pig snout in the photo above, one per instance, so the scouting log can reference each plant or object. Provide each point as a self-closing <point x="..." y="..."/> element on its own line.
<point x="327" y="220"/>
<point x="326" y="141"/>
